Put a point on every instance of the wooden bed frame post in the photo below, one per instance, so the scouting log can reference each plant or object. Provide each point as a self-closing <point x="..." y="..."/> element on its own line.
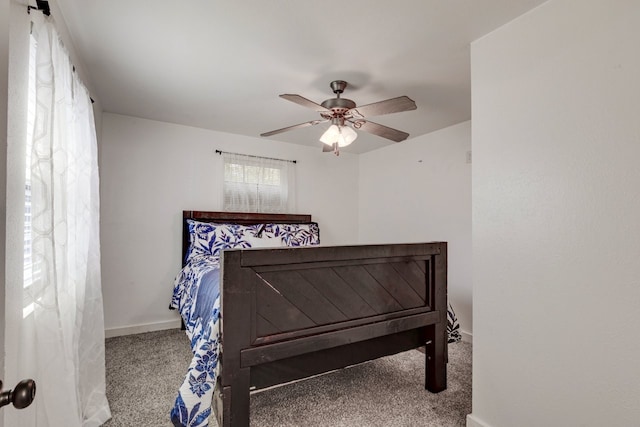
<point x="235" y="379"/>
<point x="436" y="348"/>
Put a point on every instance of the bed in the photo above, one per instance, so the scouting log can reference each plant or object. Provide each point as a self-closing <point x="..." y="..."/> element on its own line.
<point x="283" y="308"/>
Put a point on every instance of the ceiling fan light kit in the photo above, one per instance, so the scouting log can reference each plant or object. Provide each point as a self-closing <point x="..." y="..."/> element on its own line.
<point x="340" y="111"/>
<point x="339" y="134"/>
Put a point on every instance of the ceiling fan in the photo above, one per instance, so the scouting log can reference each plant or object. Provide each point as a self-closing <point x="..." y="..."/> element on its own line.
<point x="345" y="116"/>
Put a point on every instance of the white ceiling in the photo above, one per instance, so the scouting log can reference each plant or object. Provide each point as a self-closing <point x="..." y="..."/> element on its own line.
<point x="221" y="65"/>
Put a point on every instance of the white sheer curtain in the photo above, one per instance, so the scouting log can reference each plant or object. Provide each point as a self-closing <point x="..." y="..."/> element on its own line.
<point x="258" y="184"/>
<point x="64" y="324"/>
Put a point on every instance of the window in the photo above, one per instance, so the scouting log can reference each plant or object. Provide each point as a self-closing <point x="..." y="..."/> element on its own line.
<point x="258" y="184"/>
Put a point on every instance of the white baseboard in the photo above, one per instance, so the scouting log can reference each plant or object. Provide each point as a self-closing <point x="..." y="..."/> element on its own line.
<point x="467" y="337"/>
<point x="473" y="421"/>
<point x="139" y="329"/>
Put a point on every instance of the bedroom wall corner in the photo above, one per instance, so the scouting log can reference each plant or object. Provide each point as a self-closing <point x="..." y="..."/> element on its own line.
<point x="556" y="236"/>
<point x="420" y="190"/>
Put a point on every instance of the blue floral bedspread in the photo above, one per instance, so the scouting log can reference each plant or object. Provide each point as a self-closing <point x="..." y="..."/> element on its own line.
<point x="196" y="296"/>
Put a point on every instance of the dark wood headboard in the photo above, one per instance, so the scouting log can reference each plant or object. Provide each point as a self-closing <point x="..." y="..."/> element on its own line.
<point x="242" y="218"/>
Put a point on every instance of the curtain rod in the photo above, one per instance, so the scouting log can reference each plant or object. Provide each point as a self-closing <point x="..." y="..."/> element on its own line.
<point x="257" y="157"/>
<point x="42" y="5"/>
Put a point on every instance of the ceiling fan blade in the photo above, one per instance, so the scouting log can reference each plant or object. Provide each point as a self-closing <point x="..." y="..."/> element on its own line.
<point x="393" y="105"/>
<point x="380" y="130"/>
<point x="298" y="126"/>
<point x="327" y="148"/>
<point x="304" y="102"/>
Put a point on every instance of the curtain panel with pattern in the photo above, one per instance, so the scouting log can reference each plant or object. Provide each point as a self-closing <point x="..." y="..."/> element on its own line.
<point x="64" y="328"/>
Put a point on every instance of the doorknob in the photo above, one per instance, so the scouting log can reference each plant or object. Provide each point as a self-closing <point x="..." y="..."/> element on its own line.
<point x="21" y="396"/>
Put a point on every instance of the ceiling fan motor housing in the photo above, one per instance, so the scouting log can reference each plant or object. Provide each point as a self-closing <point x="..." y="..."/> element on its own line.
<point x="338" y="106"/>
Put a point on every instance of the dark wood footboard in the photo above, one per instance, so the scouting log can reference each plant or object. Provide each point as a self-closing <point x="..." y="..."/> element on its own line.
<point x="291" y="313"/>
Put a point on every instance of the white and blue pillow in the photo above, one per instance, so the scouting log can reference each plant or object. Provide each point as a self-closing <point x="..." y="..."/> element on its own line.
<point x="294" y="235"/>
<point x="207" y="238"/>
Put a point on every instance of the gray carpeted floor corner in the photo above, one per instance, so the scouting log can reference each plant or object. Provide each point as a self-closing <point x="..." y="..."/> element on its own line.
<point x="144" y="372"/>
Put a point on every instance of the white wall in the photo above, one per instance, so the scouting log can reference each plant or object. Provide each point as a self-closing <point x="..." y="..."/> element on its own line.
<point x="556" y="235"/>
<point x="15" y="179"/>
<point x="151" y="171"/>
<point x="4" y="68"/>
<point x="14" y="197"/>
<point x="420" y="190"/>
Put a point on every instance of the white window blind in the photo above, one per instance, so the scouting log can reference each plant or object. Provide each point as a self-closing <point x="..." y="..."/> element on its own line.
<point x="258" y="184"/>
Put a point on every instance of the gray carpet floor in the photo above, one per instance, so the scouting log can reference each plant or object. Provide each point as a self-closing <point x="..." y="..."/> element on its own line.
<point x="144" y="372"/>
